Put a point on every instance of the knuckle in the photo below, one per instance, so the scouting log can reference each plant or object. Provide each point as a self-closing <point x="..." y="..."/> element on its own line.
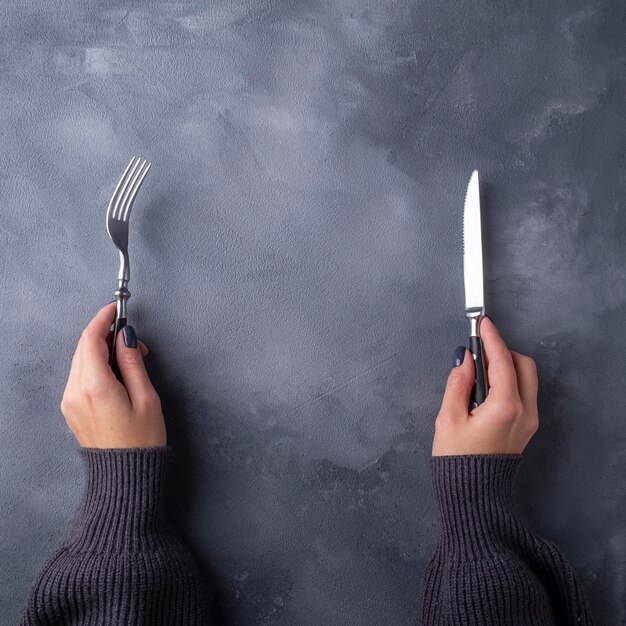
<point x="455" y="379"/>
<point x="533" y="424"/>
<point x="94" y="388"/>
<point x="445" y="420"/>
<point x="156" y="400"/>
<point x="506" y="418"/>
<point x="85" y="335"/>
<point x="72" y="403"/>
<point x="148" y="401"/>
<point x="67" y="403"/>
<point x="510" y="410"/>
<point x="131" y="358"/>
<point x="529" y="363"/>
<point x="516" y="408"/>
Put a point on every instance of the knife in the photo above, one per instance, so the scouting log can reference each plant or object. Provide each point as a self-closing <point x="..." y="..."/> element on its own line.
<point x="474" y="293"/>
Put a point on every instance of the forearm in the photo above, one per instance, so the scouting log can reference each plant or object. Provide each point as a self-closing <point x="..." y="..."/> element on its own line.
<point x="488" y="567"/>
<point x="122" y="562"/>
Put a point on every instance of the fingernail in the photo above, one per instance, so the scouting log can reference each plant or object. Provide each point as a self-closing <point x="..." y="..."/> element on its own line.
<point x="130" y="338"/>
<point x="489" y="317"/>
<point x="459" y="355"/>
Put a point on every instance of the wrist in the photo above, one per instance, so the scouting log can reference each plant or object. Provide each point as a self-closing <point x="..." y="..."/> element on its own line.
<point x="122" y="508"/>
<point x="474" y="495"/>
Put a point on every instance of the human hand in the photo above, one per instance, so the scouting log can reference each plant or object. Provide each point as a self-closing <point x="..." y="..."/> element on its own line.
<point x="100" y="411"/>
<point x="508" y="418"/>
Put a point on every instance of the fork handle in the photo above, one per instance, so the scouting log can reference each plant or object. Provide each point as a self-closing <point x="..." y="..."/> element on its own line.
<point x="120" y="322"/>
<point x="122" y="294"/>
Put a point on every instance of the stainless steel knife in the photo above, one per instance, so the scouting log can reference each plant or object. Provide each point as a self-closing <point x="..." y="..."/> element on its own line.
<point x="474" y="293"/>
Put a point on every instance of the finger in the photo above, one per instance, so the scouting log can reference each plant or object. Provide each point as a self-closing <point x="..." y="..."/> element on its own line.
<point x="142" y="346"/>
<point x="94" y="342"/>
<point x="100" y="325"/>
<point x="132" y="369"/>
<point x="459" y="388"/>
<point x="527" y="382"/>
<point x="96" y="337"/>
<point x="500" y="369"/>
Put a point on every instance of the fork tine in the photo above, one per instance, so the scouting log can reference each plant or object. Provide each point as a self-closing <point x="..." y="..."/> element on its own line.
<point x="127" y="191"/>
<point x="134" y="188"/>
<point x="117" y="211"/>
<point x="115" y="197"/>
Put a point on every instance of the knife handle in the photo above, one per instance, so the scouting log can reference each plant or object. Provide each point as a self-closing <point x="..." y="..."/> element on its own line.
<point x="479" y="390"/>
<point x="120" y="322"/>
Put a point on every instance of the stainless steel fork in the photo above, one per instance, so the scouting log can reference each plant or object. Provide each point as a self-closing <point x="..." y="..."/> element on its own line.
<point x="118" y="214"/>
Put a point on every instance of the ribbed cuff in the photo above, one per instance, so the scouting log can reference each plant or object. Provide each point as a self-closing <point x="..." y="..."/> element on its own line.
<point x="474" y="497"/>
<point x="122" y="505"/>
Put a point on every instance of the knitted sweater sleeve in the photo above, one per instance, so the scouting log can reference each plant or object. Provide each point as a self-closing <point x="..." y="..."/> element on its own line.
<point x="488" y="567"/>
<point x="123" y="562"/>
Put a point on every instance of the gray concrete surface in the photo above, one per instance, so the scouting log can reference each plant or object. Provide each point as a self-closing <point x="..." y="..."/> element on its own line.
<point x="296" y="270"/>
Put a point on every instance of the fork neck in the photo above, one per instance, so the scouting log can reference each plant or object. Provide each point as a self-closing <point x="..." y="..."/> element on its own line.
<point x="121" y="295"/>
<point x="124" y="271"/>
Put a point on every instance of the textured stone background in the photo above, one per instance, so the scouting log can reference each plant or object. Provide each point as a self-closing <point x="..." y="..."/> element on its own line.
<point x="296" y="270"/>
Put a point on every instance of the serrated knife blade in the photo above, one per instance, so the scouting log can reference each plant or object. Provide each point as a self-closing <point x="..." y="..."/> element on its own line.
<point x="473" y="248"/>
<point x="474" y="285"/>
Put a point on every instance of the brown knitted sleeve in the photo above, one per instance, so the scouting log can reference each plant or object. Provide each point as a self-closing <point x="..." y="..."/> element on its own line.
<point x="123" y="563"/>
<point x="488" y="567"/>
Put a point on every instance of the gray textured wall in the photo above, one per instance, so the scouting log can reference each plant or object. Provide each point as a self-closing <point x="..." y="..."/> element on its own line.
<point x="296" y="270"/>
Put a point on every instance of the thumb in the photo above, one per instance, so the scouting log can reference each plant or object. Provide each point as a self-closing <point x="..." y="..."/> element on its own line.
<point x="131" y="365"/>
<point x="459" y="386"/>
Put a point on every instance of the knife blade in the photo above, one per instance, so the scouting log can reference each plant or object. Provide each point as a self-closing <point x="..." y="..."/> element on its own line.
<point x="474" y="286"/>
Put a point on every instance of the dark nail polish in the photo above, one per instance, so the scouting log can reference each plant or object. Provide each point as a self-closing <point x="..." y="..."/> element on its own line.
<point x="130" y="338"/>
<point x="459" y="356"/>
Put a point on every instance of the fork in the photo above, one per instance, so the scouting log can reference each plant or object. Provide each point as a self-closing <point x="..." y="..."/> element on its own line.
<point x="118" y="214"/>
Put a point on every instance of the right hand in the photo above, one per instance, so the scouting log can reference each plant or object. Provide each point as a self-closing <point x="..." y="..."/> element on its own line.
<point x="100" y="411"/>
<point x="508" y="418"/>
